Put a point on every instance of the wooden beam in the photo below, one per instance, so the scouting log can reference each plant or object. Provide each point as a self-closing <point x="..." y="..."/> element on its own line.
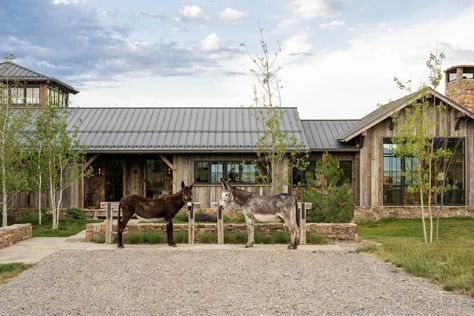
<point x="167" y="162"/>
<point x="90" y="161"/>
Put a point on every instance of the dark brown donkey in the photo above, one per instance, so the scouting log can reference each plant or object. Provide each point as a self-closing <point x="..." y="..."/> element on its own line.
<point x="165" y="207"/>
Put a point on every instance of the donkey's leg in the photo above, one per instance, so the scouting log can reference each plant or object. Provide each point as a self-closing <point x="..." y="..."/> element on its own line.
<point x="250" y="231"/>
<point x="127" y="214"/>
<point x="169" y="233"/>
<point x="291" y="226"/>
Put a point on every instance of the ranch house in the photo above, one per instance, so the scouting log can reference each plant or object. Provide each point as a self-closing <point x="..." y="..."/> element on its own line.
<point x="149" y="151"/>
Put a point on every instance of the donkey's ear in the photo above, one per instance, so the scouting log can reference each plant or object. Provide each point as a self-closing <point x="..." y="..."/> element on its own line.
<point x="182" y="185"/>
<point x="192" y="185"/>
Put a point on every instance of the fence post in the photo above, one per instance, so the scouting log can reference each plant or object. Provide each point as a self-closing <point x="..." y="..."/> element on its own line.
<point x="191" y="226"/>
<point x="109" y="224"/>
<point x="220" y="226"/>
<point x="302" y="219"/>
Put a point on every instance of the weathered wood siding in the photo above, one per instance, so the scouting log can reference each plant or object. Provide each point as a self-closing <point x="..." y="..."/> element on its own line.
<point x="206" y="193"/>
<point x="371" y="155"/>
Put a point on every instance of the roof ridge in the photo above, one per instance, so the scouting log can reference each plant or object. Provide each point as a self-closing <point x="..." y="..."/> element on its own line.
<point x="25" y="68"/>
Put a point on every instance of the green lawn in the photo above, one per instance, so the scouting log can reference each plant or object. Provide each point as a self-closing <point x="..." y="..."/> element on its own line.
<point x="10" y="270"/>
<point x="67" y="227"/>
<point x="449" y="261"/>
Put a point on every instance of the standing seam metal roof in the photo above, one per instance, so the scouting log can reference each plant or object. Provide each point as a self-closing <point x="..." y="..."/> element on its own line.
<point x="176" y="129"/>
<point x="322" y="135"/>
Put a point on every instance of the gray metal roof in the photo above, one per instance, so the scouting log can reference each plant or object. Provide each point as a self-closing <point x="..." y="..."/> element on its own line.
<point x="322" y="134"/>
<point x="12" y="71"/>
<point x="385" y="111"/>
<point x="176" y="129"/>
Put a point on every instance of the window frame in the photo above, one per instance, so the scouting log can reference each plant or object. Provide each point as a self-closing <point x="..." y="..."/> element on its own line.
<point x="225" y="163"/>
<point x="402" y="189"/>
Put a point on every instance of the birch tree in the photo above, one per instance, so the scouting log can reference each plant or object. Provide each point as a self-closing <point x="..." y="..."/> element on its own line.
<point x="277" y="149"/>
<point x="416" y="139"/>
<point x="13" y="156"/>
<point x="62" y="154"/>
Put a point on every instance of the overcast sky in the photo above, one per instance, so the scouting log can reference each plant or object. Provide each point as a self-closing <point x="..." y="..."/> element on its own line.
<point x="338" y="57"/>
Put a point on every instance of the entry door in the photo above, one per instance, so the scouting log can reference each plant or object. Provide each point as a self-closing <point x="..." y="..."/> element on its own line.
<point x="114" y="180"/>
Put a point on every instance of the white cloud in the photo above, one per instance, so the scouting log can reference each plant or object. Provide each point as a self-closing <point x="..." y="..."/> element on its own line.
<point x="66" y="2"/>
<point x="332" y="25"/>
<point x="210" y="43"/>
<point x="193" y="12"/>
<point x="298" y="44"/>
<point x="350" y="82"/>
<point x="229" y="14"/>
<point x="309" y="9"/>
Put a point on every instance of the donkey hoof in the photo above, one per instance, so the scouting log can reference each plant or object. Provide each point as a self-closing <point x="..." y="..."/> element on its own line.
<point x="248" y="245"/>
<point x="290" y="247"/>
<point x="120" y="246"/>
<point x="295" y="247"/>
<point x="172" y="244"/>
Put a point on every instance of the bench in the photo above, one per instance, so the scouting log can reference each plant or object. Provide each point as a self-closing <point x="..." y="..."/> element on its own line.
<point x="102" y="211"/>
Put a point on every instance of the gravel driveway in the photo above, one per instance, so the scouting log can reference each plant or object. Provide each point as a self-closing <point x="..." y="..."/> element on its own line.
<point x="159" y="281"/>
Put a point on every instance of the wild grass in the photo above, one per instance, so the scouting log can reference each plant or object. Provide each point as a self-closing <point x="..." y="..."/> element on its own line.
<point x="10" y="270"/>
<point x="316" y="239"/>
<point x="448" y="262"/>
<point x="207" y="238"/>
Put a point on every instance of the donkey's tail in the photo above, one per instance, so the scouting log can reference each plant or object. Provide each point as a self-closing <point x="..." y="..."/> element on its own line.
<point x="118" y="216"/>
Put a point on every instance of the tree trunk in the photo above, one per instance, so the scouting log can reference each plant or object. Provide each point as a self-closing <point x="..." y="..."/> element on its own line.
<point x="4" y="197"/>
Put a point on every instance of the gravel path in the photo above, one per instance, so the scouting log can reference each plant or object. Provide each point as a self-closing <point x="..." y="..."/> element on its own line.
<point x="153" y="281"/>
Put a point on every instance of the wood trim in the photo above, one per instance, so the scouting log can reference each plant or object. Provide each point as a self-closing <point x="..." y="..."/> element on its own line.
<point x="167" y="162"/>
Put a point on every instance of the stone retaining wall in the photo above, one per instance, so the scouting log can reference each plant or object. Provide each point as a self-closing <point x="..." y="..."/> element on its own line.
<point x="13" y="234"/>
<point x="378" y="212"/>
<point x="331" y="231"/>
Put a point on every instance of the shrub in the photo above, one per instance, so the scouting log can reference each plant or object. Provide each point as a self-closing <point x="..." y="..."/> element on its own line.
<point x="207" y="238"/>
<point x="98" y="240"/>
<point x="26" y="217"/>
<point x="263" y="239"/>
<point x="235" y="238"/>
<point x="153" y="238"/>
<point x="241" y="218"/>
<point x="75" y="213"/>
<point x="331" y="197"/>
<point x="316" y="239"/>
<point x="181" y="237"/>
<point x="281" y="237"/>
<point x="133" y="238"/>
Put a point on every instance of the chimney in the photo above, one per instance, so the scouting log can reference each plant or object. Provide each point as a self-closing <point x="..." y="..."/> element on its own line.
<point x="460" y="85"/>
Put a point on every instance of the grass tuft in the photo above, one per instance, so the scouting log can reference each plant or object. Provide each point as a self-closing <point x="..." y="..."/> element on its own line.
<point x="207" y="238"/>
<point x="10" y="270"/>
<point x="316" y="239"/>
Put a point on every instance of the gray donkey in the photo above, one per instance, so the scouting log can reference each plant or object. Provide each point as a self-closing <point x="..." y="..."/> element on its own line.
<point x="262" y="208"/>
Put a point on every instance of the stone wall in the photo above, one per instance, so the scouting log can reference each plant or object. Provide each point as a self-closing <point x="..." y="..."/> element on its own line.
<point x="343" y="232"/>
<point x="378" y="212"/>
<point x="13" y="234"/>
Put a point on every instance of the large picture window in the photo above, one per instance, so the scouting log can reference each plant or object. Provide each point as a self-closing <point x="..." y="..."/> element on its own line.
<point x="236" y="171"/>
<point x="398" y="174"/>
<point x="299" y="176"/>
<point x="22" y="95"/>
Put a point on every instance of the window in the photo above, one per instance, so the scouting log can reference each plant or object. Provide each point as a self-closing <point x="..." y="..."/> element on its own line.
<point x="346" y="167"/>
<point x="155" y="177"/>
<point x="58" y="97"/>
<point x="32" y="96"/>
<point x="213" y="171"/>
<point x="395" y="186"/>
<point x="17" y="95"/>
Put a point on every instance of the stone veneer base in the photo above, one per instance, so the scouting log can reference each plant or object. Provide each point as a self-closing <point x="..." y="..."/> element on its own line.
<point x="13" y="234"/>
<point x="341" y="232"/>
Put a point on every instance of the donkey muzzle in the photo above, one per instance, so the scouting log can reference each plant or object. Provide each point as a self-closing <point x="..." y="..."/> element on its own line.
<point x="220" y="207"/>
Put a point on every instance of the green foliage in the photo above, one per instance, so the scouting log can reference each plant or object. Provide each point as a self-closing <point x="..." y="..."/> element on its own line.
<point x="281" y="237"/>
<point x="75" y="213"/>
<point x="207" y="238"/>
<point x="153" y="238"/>
<point x="263" y="239"/>
<point x="10" y="270"/>
<point x="316" y="239"/>
<point x="332" y="200"/>
<point x="415" y="139"/>
<point x="277" y="149"/>
<point x="236" y="238"/>
<point x="181" y="237"/>
<point x="133" y="238"/>
<point x="240" y="218"/>
<point x="14" y="156"/>
<point x="98" y="240"/>
<point x="69" y="227"/>
<point x="447" y="261"/>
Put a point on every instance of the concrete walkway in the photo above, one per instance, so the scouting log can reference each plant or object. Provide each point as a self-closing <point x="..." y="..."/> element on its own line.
<point x="35" y="249"/>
